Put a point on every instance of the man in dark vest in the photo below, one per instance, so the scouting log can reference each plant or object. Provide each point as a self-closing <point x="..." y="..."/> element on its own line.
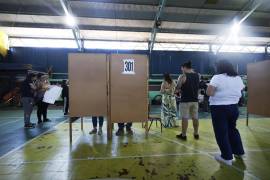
<point x="187" y="88"/>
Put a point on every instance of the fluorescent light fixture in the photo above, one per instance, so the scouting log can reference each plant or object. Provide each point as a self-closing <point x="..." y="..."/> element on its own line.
<point x="236" y="28"/>
<point x="70" y="20"/>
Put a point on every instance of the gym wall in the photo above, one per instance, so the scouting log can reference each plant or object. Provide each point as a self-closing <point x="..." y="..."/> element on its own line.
<point x="160" y="61"/>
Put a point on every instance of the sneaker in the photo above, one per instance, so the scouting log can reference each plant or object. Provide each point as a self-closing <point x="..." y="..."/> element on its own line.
<point x="100" y="131"/>
<point x="196" y="136"/>
<point x="94" y="131"/>
<point x="180" y="136"/>
<point x="129" y="131"/>
<point x="224" y="161"/>
<point x="120" y="132"/>
<point x="240" y="156"/>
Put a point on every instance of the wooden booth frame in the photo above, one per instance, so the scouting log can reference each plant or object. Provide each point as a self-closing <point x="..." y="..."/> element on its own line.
<point x="85" y="58"/>
<point x="258" y="76"/>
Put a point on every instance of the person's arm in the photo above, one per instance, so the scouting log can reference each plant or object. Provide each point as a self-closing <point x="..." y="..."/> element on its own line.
<point x="162" y="88"/>
<point x="211" y="89"/>
<point x="33" y="86"/>
<point x="180" y="82"/>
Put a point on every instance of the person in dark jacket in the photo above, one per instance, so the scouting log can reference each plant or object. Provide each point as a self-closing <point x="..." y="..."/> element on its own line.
<point x="65" y="96"/>
<point x="27" y="93"/>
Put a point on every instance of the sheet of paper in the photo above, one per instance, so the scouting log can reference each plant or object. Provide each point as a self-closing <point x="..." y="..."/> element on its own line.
<point x="52" y="94"/>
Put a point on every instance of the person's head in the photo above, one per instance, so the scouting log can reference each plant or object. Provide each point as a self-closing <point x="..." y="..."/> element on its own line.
<point x="167" y="78"/>
<point x="186" y="67"/>
<point x="225" y="67"/>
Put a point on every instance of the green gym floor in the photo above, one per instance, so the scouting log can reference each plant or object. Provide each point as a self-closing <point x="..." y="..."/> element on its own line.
<point x="49" y="155"/>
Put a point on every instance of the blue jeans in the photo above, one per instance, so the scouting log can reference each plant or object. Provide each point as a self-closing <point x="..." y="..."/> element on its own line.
<point x="224" y="119"/>
<point x="122" y="125"/>
<point x="100" y="122"/>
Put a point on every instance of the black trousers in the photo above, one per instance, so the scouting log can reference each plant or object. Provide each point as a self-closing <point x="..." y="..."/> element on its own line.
<point x="100" y="121"/>
<point x="42" y="109"/>
<point x="66" y="104"/>
<point x="228" y="138"/>
<point x="122" y="125"/>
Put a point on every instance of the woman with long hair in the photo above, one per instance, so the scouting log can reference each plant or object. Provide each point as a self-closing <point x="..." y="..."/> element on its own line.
<point x="225" y="91"/>
<point x="168" y="108"/>
<point x="42" y="86"/>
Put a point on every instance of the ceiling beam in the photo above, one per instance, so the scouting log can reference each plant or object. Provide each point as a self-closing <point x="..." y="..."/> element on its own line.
<point x="75" y="29"/>
<point x="108" y="40"/>
<point x="156" y="25"/>
<point x="255" y="32"/>
<point x="172" y="14"/>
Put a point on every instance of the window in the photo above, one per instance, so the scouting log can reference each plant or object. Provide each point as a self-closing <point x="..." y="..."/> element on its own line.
<point x="50" y="43"/>
<point x="119" y="45"/>
<point x="238" y="48"/>
<point x="181" y="47"/>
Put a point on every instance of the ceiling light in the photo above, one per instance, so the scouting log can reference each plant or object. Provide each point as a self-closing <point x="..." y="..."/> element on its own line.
<point x="236" y="28"/>
<point x="70" y="20"/>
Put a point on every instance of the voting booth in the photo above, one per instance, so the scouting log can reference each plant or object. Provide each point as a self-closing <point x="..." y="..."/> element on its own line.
<point x="258" y="76"/>
<point x="114" y="86"/>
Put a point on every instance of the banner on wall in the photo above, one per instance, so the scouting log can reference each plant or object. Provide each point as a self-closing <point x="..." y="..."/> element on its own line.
<point x="4" y="45"/>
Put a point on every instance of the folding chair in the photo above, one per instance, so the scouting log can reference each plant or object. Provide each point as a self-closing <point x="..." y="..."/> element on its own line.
<point x="153" y="117"/>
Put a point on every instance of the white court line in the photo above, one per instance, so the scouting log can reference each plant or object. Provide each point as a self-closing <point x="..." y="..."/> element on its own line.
<point x="102" y="158"/>
<point x="202" y="152"/>
<point x="8" y="117"/>
<point x="22" y="145"/>
<point x="3" y="124"/>
<point x="256" y="127"/>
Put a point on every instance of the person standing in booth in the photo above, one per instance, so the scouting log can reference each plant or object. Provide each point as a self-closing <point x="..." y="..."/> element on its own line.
<point x="225" y="91"/>
<point x="27" y="93"/>
<point x="100" y="123"/>
<point x="168" y="107"/>
<point x="121" y="126"/>
<point x="188" y="88"/>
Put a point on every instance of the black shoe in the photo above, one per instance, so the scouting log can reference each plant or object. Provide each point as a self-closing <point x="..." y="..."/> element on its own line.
<point x="196" y="136"/>
<point x="129" y="131"/>
<point x="65" y="114"/>
<point x="94" y="131"/>
<point x="39" y="122"/>
<point x="180" y="136"/>
<point x="47" y="120"/>
<point x="120" y="132"/>
<point x="29" y="126"/>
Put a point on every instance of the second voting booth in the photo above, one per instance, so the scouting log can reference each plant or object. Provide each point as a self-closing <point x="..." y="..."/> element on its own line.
<point x="258" y="76"/>
<point x="114" y="86"/>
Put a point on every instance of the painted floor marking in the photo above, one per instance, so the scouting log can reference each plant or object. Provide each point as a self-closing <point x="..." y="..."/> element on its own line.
<point x="203" y="153"/>
<point x="10" y="122"/>
<point x="31" y="140"/>
<point x="102" y="158"/>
